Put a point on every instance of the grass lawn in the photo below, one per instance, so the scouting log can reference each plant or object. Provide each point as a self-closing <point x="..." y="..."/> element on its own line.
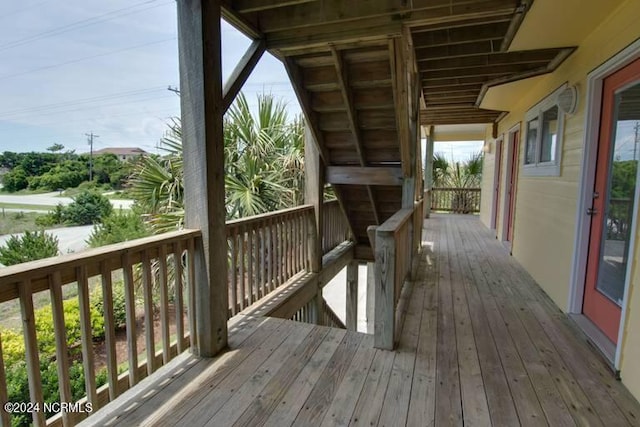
<point x="18" y="222"/>
<point x="25" y="206"/>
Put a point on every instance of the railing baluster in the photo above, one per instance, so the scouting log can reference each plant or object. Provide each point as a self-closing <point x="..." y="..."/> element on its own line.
<point x="233" y="291"/>
<point x="242" y="274"/>
<point x="130" y="309"/>
<point x="109" y="329"/>
<point x="149" y="333"/>
<point x="250" y="281"/>
<point x="263" y="288"/>
<point x="31" y="349"/>
<point x="191" y="286"/>
<point x="62" y="355"/>
<point x="87" y="338"/>
<point x="270" y="250"/>
<point x="4" y="396"/>
<point x="178" y="303"/>
<point x="164" y="305"/>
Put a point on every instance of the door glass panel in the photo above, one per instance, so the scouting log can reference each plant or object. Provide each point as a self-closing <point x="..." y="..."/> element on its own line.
<point x="620" y="194"/>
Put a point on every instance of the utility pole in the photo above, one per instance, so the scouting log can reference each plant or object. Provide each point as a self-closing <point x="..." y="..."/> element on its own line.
<point x="90" y="137"/>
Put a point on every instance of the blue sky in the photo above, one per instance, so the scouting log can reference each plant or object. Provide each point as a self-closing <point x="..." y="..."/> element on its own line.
<point x="72" y="67"/>
<point x="75" y="66"/>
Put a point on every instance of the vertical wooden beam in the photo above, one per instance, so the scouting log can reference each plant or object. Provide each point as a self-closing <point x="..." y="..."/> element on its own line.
<point x="202" y="110"/>
<point x="314" y="195"/>
<point x="352" y="296"/>
<point x="428" y="172"/>
<point x="371" y="293"/>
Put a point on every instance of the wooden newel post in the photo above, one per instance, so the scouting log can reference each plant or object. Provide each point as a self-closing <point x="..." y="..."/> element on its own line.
<point x="384" y="300"/>
<point x="203" y="151"/>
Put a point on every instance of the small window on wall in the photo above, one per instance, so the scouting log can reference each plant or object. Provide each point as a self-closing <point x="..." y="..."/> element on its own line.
<point x="543" y="140"/>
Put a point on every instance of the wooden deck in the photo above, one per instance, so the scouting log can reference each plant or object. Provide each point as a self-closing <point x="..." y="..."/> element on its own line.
<point x="481" y="345"/>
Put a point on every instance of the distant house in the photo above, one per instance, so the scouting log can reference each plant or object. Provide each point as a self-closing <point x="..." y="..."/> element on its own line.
<point x="123" y="153"/>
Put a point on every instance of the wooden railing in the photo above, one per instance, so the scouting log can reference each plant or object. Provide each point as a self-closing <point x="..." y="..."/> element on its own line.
<point x="308" y="313"/>
<point x="456" y="200"/>
<point x="335" y="226"/>
<point x="156" y="275"/>
<point x="152" y="270"/>
<point x="265" y="251"/>
<point x="396" y="244"/>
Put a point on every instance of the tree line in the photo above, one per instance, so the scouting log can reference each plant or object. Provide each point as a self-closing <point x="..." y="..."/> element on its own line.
<point x="58" y="170"/>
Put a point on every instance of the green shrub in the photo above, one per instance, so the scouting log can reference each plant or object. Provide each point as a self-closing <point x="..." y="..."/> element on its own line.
<point x="118" y="227"/>
<point x="119" y="308"/>
<point x="52" y="218"/>
<point x="15" y="180"/>
<point x="88" y="207"/>
<point x="13" y="342"/>
<point x="14" y="357"/>
<point x="30" y="246"/>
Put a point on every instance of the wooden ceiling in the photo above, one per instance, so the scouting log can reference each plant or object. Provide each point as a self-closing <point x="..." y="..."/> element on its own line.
<point x="461" y="46"/>
<point x="360" y="68"/>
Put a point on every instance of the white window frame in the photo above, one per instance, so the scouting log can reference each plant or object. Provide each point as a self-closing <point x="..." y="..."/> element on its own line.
<point x="538" y="168"/>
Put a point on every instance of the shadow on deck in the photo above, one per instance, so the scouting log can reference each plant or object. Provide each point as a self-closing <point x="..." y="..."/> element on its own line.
<point x="481" y="344"/>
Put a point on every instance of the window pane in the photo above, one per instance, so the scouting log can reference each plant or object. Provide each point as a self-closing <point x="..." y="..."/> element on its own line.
<point x="532" y="136"/>
<point x="549" y="135"/>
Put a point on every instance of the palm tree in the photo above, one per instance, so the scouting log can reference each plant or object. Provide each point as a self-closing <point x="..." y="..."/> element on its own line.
<point x="459" y="176"/>
<point x="264" y="166"/>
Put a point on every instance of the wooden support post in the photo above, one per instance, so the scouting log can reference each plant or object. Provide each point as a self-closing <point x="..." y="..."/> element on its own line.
<point x="371" y="291"/>
<point x="314" y="194"/>
<point x="428" y="172"/>
<point x="202" y="135"/>
<point x="352" y="296"/>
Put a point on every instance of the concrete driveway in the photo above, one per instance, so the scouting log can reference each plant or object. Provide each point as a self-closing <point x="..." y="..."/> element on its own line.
<point x="52" y="199"/>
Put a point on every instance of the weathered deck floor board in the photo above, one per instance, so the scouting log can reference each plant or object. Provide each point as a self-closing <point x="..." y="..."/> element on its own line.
<point x="481" y="345"/>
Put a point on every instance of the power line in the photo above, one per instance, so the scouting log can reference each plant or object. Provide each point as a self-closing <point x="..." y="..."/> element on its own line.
<point x="74" y="61"/>
<point x="82" y="101"/>
<point x="82" y="23"/>
<point x="15" y="12"/>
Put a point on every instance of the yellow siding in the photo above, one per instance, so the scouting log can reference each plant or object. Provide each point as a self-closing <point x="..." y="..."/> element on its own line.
<point x="546" y="206"/>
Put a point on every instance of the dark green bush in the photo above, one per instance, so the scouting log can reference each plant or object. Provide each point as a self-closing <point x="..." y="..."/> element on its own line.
<point x="118" y="227"/>
<point x="15" y="180"/>
<point x="88" y="207"/>
<point x="30" y="246"/>
<point x="52" y="218"/>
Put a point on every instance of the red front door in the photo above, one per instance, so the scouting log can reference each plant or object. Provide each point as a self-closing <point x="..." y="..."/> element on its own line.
<point x="613" y="199"/>
<point x="511" y="185"/>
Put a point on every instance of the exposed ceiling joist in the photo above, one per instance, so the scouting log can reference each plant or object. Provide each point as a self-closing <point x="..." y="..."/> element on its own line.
<point x="460" y="35"/>
<point x="246" y="6"/>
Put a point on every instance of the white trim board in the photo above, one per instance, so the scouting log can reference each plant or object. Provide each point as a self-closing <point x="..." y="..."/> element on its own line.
<point x="590" y="144"/>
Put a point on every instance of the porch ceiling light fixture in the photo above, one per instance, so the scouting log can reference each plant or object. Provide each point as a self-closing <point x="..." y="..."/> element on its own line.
<point x="568" y="99"/>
